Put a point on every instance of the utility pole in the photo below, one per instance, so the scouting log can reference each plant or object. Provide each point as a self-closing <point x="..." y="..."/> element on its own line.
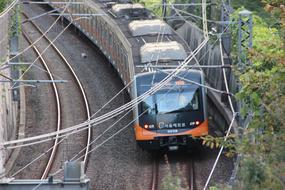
<point x="14" y="50"/>
<point x="164" y="9"/>
<point x="244" y="37"/>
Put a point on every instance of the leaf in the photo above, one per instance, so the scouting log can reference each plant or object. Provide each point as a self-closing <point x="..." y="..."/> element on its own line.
<point x="212" y="145"/>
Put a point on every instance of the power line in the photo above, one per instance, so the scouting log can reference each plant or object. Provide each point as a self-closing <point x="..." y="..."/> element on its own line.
<point x="7" y="10"/>
<point x="101" y="144"/>
<point x="129" y="111"/>
<point x="119" y="110"/>
<point x="111" y="114"/>
<point x="27" y="48"/>
<point x="102" y="133"/>
<point x="233" y="119"/>
<point x="220" y="152"/>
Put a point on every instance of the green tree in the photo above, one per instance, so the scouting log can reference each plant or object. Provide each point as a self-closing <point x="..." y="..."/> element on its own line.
<point x="263" y="90"/>
<point x="3" y="5"/>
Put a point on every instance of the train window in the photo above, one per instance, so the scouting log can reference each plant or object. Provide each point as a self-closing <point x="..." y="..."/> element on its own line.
<point x="100" y="31"/>
<point x="111" y="40"/>
<point x="126" y="62"/>
<point x="79" y="8"/>
<point x="97" y="28"/>
<point x="107" y="39"/>
<point x="122" y="58"/>
<point x="147" y="106"/>
<point x="177" y="101"/>
<point x="118" y="52"/>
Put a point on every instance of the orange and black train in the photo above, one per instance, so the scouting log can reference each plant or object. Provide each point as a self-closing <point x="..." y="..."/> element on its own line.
<point x="144" y="49"/>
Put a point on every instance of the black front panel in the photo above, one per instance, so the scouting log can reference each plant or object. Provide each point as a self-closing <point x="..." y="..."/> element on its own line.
<point x="175" y="108"/>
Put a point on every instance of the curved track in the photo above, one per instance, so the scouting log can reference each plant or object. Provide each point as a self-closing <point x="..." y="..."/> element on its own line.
<point x="186" y="170"/>
<point x="57" y="103"/>
<point x="65" y="62"/>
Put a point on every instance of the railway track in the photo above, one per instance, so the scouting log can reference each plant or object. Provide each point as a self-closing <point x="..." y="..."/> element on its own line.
<point x="158" y="173"/>
<point x="59" y="109"/>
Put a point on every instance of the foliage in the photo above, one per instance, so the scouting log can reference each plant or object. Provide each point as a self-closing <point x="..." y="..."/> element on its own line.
<point x="15" y="22"/>
<point x="263" y="92"/>
<point x="3" y="4"/>
<point x="154" y="5"/>
<point x="171" y="181"/>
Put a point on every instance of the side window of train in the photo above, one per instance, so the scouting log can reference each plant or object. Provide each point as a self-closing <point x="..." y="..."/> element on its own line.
<point x="122" y="56"/>
<point x="126" y="70"/>
<point x="79" y="8"/>
<point x="118" y="52"/>
<point x="89" y="21"/>
<point x="125" y="61"/>
<point x="73" y="7"/>
<point x="100" y="31"/>
<point x="111" y="41"/>
<point x="107" y="35"/>
<point x="96" y="26"/>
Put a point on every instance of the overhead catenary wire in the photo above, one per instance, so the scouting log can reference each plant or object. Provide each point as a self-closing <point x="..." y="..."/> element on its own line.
<point x="204" y="15"/>
<point x="10" y="7"/>
<point x="231" y="124"/>
<point x="169" y="77"/>
<point x="128" y="84"/>
<point x="102" y="143"/>
<point x="105" y="130"/>
<point x="220" y="152"/>
<point x="225" y="77"/>
<point x="73" y="129"/>
<point x="196" y="16"/>
<point x="205" y="31"/>
<point x="27" y="48"/>
<point x="52" y="41"/>
<point x="198" y="84"/>
<point x="124" y="116"/>
<point x="89" y="128"/>
<point x="97" y="112"/>
<point x="4" y="14"/>
<point x="119" y="110"/>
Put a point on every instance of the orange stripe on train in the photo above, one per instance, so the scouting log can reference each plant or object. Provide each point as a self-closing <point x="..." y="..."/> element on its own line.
<point x="143" y="134"/>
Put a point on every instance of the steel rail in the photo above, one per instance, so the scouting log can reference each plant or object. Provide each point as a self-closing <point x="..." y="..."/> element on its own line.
<point x="191" y="175"/>
<point x="53" y="153"/>
<point x="78" y="83"/>
<point x="155" y="173"/>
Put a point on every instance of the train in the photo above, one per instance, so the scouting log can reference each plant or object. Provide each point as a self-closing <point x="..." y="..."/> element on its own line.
<point x="144" y="50"/>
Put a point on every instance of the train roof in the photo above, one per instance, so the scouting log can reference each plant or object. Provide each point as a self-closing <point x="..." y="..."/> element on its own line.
<point x="137" y="42"/>
<point x="125" y="8"/>
<point x="148" y="27"/>
<point x="162" y="51"/>
<point x="151" y="78"/>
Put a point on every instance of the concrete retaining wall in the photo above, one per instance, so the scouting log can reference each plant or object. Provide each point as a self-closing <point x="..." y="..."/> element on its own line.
<point x="210" y="55"/>
<point x="8" y="107"/>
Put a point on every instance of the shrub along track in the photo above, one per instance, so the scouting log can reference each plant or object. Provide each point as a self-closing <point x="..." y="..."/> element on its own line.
<point x="174" y="166"/>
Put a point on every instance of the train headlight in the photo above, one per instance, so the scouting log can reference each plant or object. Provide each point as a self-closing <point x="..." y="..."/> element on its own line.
<point x="146" y="126"/>
<point x="197" y="122"/>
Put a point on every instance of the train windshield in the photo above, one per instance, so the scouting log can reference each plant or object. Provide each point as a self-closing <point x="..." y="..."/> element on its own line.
<point x="172" y="100"/>
<point x="177" y="95"/>
<point x="177" y="100"/>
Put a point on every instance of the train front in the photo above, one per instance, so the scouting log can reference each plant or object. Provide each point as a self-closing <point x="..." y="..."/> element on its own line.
<point x="169" y="118"/>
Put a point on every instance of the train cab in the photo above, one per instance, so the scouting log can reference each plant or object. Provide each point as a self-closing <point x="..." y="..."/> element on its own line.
<point x="169" y="118"/>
